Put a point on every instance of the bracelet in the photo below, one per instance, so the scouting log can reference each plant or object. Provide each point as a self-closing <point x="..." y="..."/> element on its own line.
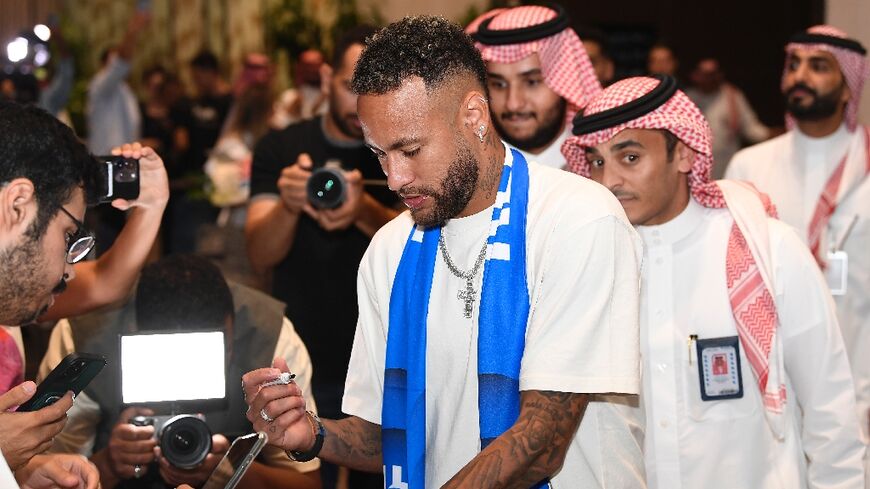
<point x="319" y="433"/>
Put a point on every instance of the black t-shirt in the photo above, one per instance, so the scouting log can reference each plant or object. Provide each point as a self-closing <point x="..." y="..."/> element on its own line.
<point x="204" y="118"/>
<point x="317" y="278"/>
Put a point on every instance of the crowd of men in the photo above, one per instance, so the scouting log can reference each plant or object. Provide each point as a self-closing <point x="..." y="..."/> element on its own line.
<point x="549" y="289"/>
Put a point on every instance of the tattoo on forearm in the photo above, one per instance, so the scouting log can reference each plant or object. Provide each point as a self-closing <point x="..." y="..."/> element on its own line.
<point x="353" y="442"/>
<point x="533" y="449"/>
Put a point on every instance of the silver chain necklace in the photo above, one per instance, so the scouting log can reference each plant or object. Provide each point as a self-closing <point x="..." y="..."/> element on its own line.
<point x="468" y="294"/>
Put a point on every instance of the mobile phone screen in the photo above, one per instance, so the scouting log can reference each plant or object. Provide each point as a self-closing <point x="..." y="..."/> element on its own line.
<point x="238" y="458"/>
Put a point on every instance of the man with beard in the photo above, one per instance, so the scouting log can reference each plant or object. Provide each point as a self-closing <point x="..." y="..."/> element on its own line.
<point x="539" y="76"/>
<point x="746" y="381"/>
<point x="486" y="387"/>
<point x="816" y="174"/>
<point x="46" y="179"/>
<point x="314" y="253"/>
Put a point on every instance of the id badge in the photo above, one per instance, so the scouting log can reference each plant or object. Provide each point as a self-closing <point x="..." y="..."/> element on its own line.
<point x="719" y="368"/>
<point x="836" y="271"/>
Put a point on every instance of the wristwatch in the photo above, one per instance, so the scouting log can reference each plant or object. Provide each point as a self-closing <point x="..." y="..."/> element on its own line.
<point x="319" y="433"/>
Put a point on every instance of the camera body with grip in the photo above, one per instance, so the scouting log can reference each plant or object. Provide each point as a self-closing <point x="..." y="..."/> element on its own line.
<point x="184" y="439"/>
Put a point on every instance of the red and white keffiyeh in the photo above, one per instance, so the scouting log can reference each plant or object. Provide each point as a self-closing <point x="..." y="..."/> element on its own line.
<point x="564" y="62"/>
<point x="852" y="64"/>
<point x="748" y="263"/>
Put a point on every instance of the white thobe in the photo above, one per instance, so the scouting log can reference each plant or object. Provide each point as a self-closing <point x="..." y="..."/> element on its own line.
<point x="551" y="155"/>
<point x="721" y="444"/>
<point x="793" y="169"/>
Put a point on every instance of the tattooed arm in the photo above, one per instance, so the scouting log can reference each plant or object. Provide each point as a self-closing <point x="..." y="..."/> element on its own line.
<point x="353" y="442"/>
<point x="532" y="449"/>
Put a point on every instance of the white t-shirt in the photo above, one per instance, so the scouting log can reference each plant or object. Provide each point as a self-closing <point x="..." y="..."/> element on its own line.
<point x="692" y="443"/>
<point x="583" y="260"/>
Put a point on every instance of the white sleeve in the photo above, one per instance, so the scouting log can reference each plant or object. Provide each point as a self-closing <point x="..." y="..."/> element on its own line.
<point x="816" y="364"/>
<point x="583" y="332"/>
<point x="291" y="348"/>
<point x="108" y="79"/>
<point x="364" y="387"/>
<point x="60" y="344"/>
<point x="750" y="127"/>
<point x="80" y="431"/>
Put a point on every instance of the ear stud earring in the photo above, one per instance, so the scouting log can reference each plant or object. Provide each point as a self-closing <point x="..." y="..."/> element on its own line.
<point x="480" y="131"/>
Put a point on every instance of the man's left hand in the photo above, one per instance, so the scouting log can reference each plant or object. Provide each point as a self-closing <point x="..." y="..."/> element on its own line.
<point x="197" y="475"/>
<point x="343" y="216"/>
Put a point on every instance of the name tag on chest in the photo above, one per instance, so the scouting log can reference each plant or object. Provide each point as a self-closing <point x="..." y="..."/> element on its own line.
<point x="719" y="368"/>
<point x="836" y="271"/>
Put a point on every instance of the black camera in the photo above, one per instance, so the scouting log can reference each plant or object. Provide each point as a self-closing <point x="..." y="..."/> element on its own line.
<point x="327" y="187"/>
<point x="184" y="439"/>
<point x="120" y="178"/>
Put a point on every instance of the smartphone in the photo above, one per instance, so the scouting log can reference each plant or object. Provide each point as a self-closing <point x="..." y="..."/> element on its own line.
<point x="120" y="178"/>
<point x="73" y="373"/>
<point x="239" y="457"/>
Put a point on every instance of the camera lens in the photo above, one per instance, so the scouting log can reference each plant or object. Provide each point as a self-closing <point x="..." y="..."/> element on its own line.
<point x="52" y="399"/>
<point x="76" y="368"/>
<point x="326" y="188"/>
<point x="185" y="441"/>
<point x="125" y="171"/>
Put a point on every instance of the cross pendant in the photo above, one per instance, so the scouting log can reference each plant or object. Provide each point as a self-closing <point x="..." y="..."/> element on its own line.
<point x="467" y="295"/>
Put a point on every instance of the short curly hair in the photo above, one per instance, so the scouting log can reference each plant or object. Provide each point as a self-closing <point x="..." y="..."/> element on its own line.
<point x="182" y="292"/>
<point x="36" y="146"/>
<point x="429" y="47"/>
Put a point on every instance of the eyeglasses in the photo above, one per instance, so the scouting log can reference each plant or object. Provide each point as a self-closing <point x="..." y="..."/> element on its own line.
<point x="80" y="243"/>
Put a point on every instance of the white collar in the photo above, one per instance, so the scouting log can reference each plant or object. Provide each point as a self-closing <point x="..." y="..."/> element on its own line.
<point x="551" y="155"/>
<point x="833" y="140"/>
<point x="676" y="229"/>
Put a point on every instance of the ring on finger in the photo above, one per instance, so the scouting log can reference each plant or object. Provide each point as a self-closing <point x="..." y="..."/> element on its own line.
<point x="265" y="416"/>
<point x="137" y="471"/>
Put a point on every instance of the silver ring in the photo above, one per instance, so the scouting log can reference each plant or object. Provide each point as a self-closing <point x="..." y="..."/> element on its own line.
<point x="265" y="416"/>
<point x="137" y="471"/>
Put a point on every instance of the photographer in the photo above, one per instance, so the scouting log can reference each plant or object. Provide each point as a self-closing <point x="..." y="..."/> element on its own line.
<point x="178" y="293"/>
<point x="109" y="278"/>
<point x="314" y="253"/>
<point x="46" y="179"/>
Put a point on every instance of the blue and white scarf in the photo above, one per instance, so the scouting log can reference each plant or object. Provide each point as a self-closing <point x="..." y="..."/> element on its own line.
<point x="504" y="312"/>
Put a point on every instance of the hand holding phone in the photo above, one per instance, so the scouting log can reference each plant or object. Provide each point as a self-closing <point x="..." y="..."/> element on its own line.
<point x="23" y="435"/>
<point x="120" y="178"/>
<point x="239" y="457"/>
<point x="73" y="373"/>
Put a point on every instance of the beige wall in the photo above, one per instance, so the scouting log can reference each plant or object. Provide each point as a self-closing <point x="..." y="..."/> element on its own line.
<point x="392" y="10"/>
<point x="852" y="16"/>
